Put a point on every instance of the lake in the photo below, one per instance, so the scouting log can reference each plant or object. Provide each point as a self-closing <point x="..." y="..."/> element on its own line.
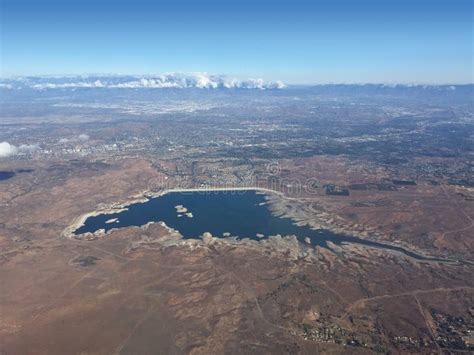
<point x="243" y="214"/>
<point x="5" y="175"/>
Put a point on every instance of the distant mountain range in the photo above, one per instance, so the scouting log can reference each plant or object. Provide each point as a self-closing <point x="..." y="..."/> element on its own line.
<point x="208" y="81"/>
<point x="165" y="81"/>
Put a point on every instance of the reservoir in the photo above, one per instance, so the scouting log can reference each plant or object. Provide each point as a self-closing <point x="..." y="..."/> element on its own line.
<point x="237" y="213"/>
<point x="5" y="175"/>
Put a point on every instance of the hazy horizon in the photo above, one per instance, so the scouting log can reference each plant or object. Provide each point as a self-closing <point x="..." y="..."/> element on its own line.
<point x="228" y="76"/>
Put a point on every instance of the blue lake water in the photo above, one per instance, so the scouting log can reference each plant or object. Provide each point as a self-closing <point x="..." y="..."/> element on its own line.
<point x="5" y="175"/>
<point x="241" y="213"/>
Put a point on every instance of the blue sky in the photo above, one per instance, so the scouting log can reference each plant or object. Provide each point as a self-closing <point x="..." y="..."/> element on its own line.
<point x="297" y="41"/>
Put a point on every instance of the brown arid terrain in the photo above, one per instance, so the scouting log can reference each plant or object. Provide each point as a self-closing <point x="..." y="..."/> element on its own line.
<point x="145" y="290"/>
<point x="432" y="215"/>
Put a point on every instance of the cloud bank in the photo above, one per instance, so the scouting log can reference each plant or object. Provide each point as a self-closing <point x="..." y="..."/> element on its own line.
<point x="165" y="81"/>
<point x="7" y="149"/>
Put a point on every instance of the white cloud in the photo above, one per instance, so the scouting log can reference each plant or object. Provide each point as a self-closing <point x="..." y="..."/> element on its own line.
<point x="171" y="80"/>
<point x="7" y="149"/>
<point x="81" y="137"/>
<point x="206" y="81"/>
<point x="26" y="148"/>
<point x="69" y="85"/>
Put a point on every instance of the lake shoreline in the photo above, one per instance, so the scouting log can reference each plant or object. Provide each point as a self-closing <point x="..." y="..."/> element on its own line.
<point x="146" y="196"/>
